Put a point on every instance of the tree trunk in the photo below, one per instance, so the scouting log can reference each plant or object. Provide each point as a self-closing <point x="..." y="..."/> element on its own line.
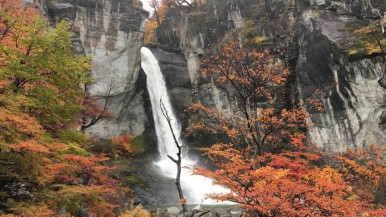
<point x="176" y="161"/>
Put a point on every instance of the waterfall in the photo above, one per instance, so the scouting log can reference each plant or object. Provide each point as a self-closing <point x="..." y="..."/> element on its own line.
<point x="194" y="187"/>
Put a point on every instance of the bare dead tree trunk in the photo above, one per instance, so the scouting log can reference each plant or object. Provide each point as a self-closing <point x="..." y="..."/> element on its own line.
<point x="176" y="161"/>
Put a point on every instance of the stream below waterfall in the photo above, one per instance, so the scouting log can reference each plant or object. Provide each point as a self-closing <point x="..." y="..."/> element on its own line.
<point x="194" y="187"/>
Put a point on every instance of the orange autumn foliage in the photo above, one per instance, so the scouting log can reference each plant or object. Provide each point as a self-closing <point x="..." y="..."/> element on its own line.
<point x="365" y="168"/>
<point x="31" y="146"/>
<point x="160" y="8"/>
<point x="41" y="210"/>
<point x="287" y="184"/>
<point x="124" y="144"/>
<point x="43" y="164"/>
<point x="255" y="78"/>
<point x="263" y="159"/>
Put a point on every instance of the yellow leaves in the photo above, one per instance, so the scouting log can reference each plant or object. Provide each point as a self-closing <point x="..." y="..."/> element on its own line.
<point x="150" y="27"/>
<point x="368" y="41"/>
<point x="365" y="168"/>
<point x="135" y="211"/>
<point x="365" y="30"/>
<point x="39" y="103"/>
<point x="155" y="19"/>
<point x="268" y="173"/>
<point x="221" y="152"/>
<point x="41" y="210"/>
<point x="16" y="125"/>
<point x="34" y="67"/>
<point x="94" y="195"/>
<point x="124" y="144"/>
<point x="372" y="48"/>
<point x="352" y="52"/>
<point x="329" y="179"/>
<point x="258" y="40"/>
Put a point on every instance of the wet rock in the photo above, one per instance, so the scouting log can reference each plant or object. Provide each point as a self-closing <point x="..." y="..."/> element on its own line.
<point x="173" y="211"/>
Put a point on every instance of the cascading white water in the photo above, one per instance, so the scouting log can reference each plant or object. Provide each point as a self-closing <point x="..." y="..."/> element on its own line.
<point x="194" y="187"/>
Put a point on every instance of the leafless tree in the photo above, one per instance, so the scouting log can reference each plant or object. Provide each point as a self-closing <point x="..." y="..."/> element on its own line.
<point x="154" y="4"/>
<point x="176" y="161"/>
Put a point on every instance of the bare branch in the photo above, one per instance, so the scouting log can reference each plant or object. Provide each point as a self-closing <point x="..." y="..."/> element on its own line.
<point x="178" y="161"/>
<point x="102" y="114"/>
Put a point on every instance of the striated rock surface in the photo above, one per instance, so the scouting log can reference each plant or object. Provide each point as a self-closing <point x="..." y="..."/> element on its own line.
<point x="355" y="102"/>
<point x="356" y="8"/>
<point x="189" y="33"/>
<point x="312" y="36"/>
<point x="194" y="30"/>
<point x="111" y="32"/>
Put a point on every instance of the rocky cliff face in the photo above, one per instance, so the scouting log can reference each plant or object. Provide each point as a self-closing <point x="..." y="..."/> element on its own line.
<point x="354" y="103"/>
<point x="356" y="8"/>
<point x="312" y="36"/>
<point x="111" y="32"/>
<point x="190" y="32"/>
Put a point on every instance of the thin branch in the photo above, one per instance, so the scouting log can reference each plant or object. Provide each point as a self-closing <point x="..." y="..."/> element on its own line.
<point x="178" y="160"/>
<point x="106" y="105"/>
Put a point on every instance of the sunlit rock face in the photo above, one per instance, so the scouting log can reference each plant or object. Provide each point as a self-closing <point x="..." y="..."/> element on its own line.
<point x="111" y="33"/>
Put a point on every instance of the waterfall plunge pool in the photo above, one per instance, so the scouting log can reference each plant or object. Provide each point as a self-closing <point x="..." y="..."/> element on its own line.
<point x="194" y="187"/>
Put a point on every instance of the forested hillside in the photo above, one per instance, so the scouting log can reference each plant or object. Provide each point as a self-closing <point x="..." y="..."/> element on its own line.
<point x="45" y="166"/>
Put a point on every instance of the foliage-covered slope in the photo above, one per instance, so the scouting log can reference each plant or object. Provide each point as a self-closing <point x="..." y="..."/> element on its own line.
<point x="45" y="169"/>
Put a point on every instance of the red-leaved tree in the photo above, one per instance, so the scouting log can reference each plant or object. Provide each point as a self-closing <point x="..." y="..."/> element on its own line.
<point x="263" y="159"/>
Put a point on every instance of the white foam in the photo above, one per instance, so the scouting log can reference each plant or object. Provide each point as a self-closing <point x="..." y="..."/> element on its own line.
<point x="194" y="187"/>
